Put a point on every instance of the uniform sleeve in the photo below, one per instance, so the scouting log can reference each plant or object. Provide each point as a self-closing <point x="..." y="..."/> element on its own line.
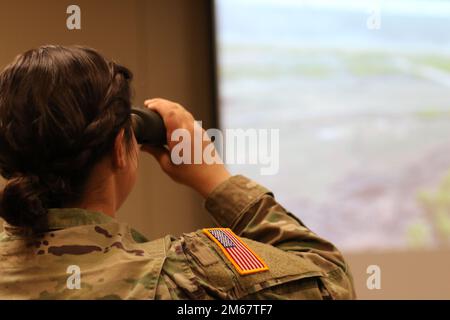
<point x="251" y="211"/>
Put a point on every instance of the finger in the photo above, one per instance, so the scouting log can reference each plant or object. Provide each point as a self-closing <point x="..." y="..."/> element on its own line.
<point x="156" y="151"/>
<point x="162" y="155"/>
<point x="163" y="107"/>
<point x="158" y="101"/>
<point x="153" y="100"/>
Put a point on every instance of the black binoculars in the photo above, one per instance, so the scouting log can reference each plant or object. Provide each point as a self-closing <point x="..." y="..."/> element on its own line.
<point x="148" y="127"/>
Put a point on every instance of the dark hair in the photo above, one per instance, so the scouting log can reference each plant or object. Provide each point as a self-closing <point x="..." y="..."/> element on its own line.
<point x="60" y="110"/>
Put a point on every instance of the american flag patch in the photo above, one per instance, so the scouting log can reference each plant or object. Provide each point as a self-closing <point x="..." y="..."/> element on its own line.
<point x="240" y="255"/>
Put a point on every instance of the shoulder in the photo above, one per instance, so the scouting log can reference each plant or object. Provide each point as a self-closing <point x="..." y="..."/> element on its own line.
<point x="199" y="266"/>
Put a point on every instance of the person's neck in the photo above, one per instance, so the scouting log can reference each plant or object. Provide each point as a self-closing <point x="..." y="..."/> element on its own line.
<point x="100" y="200"/>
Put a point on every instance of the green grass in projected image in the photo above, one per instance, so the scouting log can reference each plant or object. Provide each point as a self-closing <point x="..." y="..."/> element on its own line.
<point x="364" y="115"/>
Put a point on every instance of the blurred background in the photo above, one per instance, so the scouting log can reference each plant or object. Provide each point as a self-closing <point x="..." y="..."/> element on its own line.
<point x="360" y="91"/>
<point x="364" y="113"/>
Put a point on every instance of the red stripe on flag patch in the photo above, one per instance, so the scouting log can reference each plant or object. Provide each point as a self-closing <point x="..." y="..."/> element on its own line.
<point x="244" y="259"/>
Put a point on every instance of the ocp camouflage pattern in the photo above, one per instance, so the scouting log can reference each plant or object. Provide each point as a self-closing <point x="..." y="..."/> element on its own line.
<point x="117" y="262"/>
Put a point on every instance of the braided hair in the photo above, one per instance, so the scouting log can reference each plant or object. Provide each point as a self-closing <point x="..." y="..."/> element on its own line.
<point x="60" y="110"/>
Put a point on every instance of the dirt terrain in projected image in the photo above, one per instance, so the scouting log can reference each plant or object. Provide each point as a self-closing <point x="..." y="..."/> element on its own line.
<point x="365" y="148"/>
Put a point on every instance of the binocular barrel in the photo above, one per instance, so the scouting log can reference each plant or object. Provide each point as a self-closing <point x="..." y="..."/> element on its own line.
<point x="148" y="127"/>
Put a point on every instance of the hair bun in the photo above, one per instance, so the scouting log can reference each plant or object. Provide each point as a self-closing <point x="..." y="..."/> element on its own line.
<point x="22" y="203"/>
<point x="60" y="110"/>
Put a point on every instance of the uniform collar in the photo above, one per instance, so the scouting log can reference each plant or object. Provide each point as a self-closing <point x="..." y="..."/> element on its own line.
<point x="61" y="218"/>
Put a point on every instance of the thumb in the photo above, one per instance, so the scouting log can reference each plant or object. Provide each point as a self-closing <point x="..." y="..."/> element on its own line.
<point x="161" y="154"/>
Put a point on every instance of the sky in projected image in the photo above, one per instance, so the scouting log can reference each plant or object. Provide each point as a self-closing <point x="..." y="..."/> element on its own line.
<point x="364" y="114"/>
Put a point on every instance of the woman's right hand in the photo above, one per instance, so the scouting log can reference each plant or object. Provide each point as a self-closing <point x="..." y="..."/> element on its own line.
<point x="202" y="177"/>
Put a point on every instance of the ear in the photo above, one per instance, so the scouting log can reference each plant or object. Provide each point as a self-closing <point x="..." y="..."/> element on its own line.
<point x="119" y="152"/>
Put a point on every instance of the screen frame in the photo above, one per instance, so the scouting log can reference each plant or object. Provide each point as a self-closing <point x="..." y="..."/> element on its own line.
<point x="214" y="62"/>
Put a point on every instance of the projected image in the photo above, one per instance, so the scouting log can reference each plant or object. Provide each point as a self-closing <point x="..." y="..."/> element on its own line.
<point x="360" y="91"/>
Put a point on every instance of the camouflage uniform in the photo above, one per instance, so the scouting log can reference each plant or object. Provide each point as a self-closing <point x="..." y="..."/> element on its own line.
<point x="117" y="262"/>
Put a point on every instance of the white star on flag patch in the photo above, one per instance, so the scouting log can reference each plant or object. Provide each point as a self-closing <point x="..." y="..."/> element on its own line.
<point x="240" y="255"/>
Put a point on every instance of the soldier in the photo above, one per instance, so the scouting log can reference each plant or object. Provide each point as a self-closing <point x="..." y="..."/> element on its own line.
<point x="69" y="155"/>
